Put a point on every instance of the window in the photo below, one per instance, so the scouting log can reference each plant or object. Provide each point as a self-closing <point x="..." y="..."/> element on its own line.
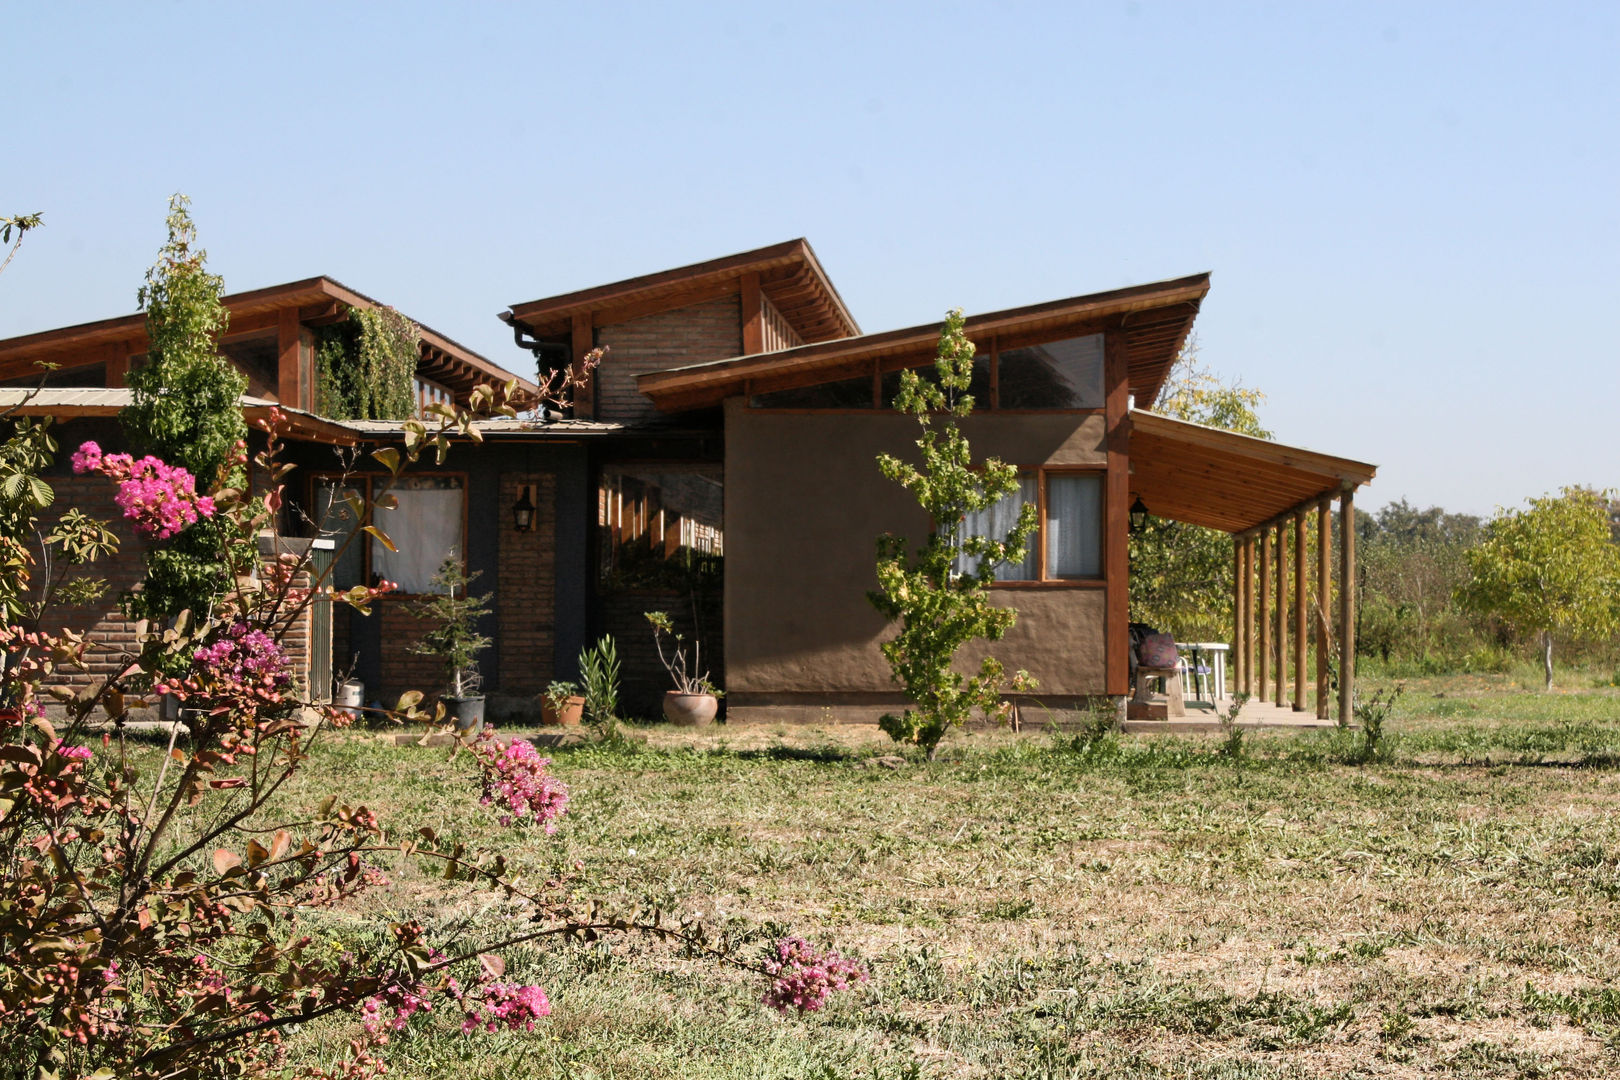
<point x="428" y="524"/>
<point x="1069" y="527"/>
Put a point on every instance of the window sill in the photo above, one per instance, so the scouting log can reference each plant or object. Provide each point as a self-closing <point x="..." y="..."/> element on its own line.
<point x="1056" y="583"/>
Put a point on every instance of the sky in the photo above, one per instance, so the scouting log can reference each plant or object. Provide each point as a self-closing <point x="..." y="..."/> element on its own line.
<point x="1410" y="210"/>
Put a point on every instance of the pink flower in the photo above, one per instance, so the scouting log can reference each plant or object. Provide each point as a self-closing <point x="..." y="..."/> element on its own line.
<point x="505" y="1004"/>
<point x="515" y="777"/>
<point x="87" y="458"/>
<point x="160" y="499"/>
<point x="804" y="978"/>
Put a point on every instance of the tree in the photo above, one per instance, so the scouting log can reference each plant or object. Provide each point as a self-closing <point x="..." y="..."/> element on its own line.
<point x="940" y="593"/>
<point x="17" y="226"/>
<point x="1412" y="562"/>
<point x="1550" y="570"/>
<point x="187" y="410"/>
<point x="1181" y="574"/>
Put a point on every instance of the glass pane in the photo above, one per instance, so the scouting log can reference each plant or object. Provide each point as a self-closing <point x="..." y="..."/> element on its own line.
<point x="334" y="521"/>
<point x="979" y="386"/>
<point x="1064" y="374"/>
<point x="1074" y="525"/>
<point x="845" y="394"/>
<point x="425" y="527"/>
<point x="995" y="523"/>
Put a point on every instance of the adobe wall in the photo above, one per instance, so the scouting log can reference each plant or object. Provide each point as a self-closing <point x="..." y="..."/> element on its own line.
<point x="708" y="331"/>
<point x="804" y="506"/>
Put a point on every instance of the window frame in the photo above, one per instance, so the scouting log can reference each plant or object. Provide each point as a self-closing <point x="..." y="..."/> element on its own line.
<point x="371" y="480"/>
<point x="1042" y="474"/>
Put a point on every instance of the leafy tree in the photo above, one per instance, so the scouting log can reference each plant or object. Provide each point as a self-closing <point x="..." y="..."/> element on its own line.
<point x="1412" y="562"/>
<point x="1550" y="570"/>
<point x="187" y="411"/>
<point x="939" y="607"/>
<point x="18" y="226"/>
<point x="1181" y="574"/>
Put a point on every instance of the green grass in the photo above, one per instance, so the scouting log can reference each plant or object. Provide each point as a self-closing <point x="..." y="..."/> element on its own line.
<point x="1046" y="906"/>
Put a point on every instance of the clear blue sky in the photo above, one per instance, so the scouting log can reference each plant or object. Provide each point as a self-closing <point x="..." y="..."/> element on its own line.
<point x="1410" y="209"/>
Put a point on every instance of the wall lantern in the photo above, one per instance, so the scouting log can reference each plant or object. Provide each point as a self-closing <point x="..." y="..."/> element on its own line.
<point x="1139" y="515"/>
<point x="523" y="512"/>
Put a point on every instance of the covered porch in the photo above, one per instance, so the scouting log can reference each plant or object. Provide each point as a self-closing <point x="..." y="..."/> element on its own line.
<point x="1292" y="648"/>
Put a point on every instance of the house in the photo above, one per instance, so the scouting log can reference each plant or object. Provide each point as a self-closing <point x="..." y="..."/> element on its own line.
<point x="721" y="467"/>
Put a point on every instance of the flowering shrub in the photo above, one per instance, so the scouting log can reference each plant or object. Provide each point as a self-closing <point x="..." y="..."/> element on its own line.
<point x="803" y="978"/>
<point x="515" y="777"/>
<point x="160" y="499"/>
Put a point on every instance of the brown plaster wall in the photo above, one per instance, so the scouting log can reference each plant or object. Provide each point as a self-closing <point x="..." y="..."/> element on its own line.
<point x="804" y="505"/>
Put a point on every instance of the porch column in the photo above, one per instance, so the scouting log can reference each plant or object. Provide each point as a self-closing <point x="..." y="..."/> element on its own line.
<point x="1301" y="632"/>
<point x="1281" y="676"/>
<point x="1324" y="598"/>
<point x="1236" y="673"/>
<point x="1264" y="582"/>
<point x="1347" y="605"/>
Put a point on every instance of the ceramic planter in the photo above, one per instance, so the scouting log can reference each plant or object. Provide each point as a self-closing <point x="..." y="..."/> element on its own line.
<point x="690" y="710"/>
<point x="570" y="715"/>
<point x="466" y="713"/>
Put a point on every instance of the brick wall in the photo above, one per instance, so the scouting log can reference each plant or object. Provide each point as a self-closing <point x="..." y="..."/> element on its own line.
<point x="526" y="588"/>
<point x="643" y="680"/>
<point x="689" y="335"/>
<point x="402" y="669"/>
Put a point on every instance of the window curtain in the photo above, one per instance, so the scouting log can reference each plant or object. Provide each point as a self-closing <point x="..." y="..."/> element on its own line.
<point x="996" y="522"/>
<point x="1074" y="526"/>
<point x="426" y="527"/>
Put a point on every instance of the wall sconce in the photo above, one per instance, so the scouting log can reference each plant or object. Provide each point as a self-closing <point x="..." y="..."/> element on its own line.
<point x="523" y="512"/>
<point x="1139" y="515"/>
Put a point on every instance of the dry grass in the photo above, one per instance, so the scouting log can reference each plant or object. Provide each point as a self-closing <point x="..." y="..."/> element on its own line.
<point x="1032" y="905"/>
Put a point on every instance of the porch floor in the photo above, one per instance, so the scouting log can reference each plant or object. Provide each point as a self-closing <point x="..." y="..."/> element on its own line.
<point x="1203" y="718"/>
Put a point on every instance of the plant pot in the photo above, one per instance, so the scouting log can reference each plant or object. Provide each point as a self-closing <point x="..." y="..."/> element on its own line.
<point x="690" y="710"/>
<point x="350" y="696"/>
<point x="570" y="715"/>
<point x="466" y="713"/>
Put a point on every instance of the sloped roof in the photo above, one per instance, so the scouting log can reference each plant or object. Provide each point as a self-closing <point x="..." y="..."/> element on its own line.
<point x="790" y="276"/>
<point x="72" y="402"/>
<point x="1155" y="318"/>
<point x="1226" y="481"/>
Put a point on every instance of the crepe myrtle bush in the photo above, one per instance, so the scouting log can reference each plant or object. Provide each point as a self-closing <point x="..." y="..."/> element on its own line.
<point x="155" y="910"/>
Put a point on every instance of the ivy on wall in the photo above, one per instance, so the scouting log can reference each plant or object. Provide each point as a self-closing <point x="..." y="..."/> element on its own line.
<point x="365" y="367"/>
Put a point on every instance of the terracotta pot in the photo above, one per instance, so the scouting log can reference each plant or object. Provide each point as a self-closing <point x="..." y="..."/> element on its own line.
<point x="690" y="710"/>
<point x="570" y="715"/>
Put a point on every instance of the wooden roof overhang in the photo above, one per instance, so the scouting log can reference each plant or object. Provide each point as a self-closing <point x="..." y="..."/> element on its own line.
<point x="72" y="403"/>
<point x="1222" y="480"/>
<point x="1155" y="319"/>
<point x="790" y="276"/>
<point x="317" y="300"/>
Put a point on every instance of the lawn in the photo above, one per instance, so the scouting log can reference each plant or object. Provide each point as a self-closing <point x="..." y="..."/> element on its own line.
<point x="1041" y="905"/>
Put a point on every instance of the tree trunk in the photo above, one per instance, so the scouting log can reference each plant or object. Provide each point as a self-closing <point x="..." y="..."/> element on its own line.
<point x="1546" y="655"/>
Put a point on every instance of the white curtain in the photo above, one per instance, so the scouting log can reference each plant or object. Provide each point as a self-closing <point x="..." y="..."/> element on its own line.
<point x="1073" y="525"/>
<point x="996" y="523"/>
<point x="426" y="527"/>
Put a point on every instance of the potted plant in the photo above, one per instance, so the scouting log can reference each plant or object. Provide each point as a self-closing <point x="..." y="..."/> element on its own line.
<point x="456" y="642"/>
<point x="562" y="704"/>
<point x="695" y="700"/>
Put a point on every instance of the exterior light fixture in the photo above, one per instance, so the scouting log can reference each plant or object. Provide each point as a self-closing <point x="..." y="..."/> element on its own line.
<point x="1139" y="515"/>
<point x="523" y="512"/>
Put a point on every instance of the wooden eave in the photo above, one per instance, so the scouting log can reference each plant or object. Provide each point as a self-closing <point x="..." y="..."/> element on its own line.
<point x="77" y="403"/>
<point x="790" y="276"/>
<point x="1154" y="318"/>
<point x="1222" y="480"/>
<point x="316" y="299"/>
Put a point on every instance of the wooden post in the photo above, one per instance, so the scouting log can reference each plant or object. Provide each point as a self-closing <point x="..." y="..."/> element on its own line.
<point x="1301" y="631"/>
<point x="1324" y="600"/>
<point x="1236" y="674"/>
<point x="1280" y="677"/>
<point x="1264" y="582"/>
<point x="288" y="355"/>
<point x="1347" y="605"/>
<point x="1248" y="615"/>
<point x="1116" y="515"/>
<point x="753" y="315"/>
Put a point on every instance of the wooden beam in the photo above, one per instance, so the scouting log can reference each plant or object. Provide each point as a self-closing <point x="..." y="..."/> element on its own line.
<point x="753" y="315"/>
<point x="1237" y="610"/>
<point x="1302" y="634"/>
<point x="1117" y="495"/>
<point x="287" y="357"/>
<point x="1264" y="582"/>
<point x="1280" y="676"/>
<point x="1248" y="615"/>
<point x="1324" y="598"/>
<point x="584" y="340"/>
<point x="1347" y="605"/>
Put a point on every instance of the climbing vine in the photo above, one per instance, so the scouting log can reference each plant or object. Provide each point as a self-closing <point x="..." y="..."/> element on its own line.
<point x="366" y="366"/>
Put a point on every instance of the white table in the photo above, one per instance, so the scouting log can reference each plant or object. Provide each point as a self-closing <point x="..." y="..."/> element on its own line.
<point x="1216" y="652"/>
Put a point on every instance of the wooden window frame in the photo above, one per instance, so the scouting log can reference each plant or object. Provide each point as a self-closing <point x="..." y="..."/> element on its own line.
<point x="1042" y="474"/>
<point x="370" y="480"/>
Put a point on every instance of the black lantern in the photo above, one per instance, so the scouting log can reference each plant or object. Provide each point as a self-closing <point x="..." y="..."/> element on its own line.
<point x="523" y="512"/>
<point x="1139" y="515"/>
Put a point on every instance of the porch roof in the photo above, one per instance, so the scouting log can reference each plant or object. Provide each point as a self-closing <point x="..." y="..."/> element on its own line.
<point x="73" y="402"/>
<point x="1155" y="318"/>
<point x="1222" y="480"/>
